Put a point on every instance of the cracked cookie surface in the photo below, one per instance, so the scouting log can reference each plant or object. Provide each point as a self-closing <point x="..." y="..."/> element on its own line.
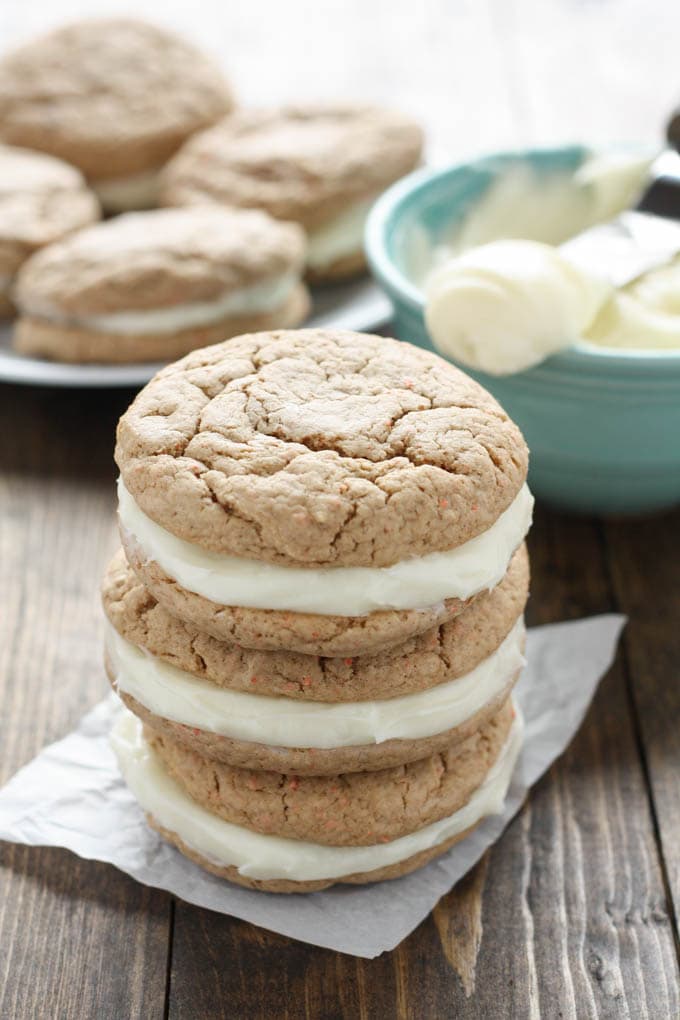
<point x="319" y="448"/>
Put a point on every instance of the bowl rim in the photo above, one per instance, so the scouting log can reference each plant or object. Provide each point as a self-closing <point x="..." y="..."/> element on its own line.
<point x="389" y="207"/>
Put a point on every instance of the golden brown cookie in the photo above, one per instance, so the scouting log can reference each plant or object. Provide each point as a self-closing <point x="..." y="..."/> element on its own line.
<point x="41" y="200"/>
<point x="320" y="166"/>
<point x="319" y="448"/>
<point x="115" y="97"/>
<point x="354" y="809"/>
<point x="149" y="286"/>
<point x="435" y="657"/>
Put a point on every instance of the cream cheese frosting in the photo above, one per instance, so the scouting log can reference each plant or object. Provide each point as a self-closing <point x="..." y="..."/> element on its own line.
<point x="416" y="583"/>
<point x="259" y="297"/>
<point x="174" y="694"/>
<point x="266" y="857"/>
<point x="508" y="305"/>
<point x="644" y="314"/>
<point x="135" y="191"/>
<point x="501" y="297"/>
<point x="549" y="206"/>
<point x="339" y="237"/>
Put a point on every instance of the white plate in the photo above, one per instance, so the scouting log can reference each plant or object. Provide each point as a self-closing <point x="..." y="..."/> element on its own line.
<point x="360" y="306"/>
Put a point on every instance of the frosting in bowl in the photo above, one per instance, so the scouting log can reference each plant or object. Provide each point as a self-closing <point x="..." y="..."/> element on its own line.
<point x="501" y="296"/>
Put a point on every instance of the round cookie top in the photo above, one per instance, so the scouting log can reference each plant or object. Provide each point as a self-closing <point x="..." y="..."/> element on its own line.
<point x="41" y="200"/>
<point x="300" y="163"/>
<point x="159" y="259"/>
<point x="113" y="96"/>
<point x="319" y="447"/>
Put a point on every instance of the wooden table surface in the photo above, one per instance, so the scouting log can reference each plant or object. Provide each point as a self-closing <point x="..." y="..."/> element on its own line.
<point x="574" y="912"/>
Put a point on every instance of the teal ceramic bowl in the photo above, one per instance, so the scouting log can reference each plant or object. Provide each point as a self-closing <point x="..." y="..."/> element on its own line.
<point x="602" y="425"/>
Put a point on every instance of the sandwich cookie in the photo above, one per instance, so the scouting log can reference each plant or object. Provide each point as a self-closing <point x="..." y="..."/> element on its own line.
<point x="285" y="833"/>
<point x="41" y="200"/>
<point x="321" y="166"/>
<point x="266" y="710"/>
<point x="319" y="491"/>
<point x="152" y="286"/>
<point x="114" y="97"/>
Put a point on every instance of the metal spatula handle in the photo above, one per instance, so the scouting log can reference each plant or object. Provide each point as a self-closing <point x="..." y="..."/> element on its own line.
<point x="632" y="244"/>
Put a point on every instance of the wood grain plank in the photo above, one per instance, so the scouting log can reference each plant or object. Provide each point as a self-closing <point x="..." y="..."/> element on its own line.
<point x="458" y="919"/>
<point x="570" y="904"/>
<point x="643" y="560"/>
<point x="574" y="914"/>
<point x="78" y="939"/>
<point x="595" y="890"/>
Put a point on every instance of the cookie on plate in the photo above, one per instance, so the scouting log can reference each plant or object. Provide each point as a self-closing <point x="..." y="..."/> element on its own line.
<point x="289" y="712"/>
<point x="321" y="166"/>
<point x="41" y="200"/>
<point x="287" y="833"/>
<point x="319" y="491"/>
<point x="114" y="97"/>
<point x="151" y="286"/>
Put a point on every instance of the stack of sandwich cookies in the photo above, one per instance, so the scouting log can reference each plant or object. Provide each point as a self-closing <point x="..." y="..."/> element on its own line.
<point x="308" y="714"/>
<point x="322" y="596"/>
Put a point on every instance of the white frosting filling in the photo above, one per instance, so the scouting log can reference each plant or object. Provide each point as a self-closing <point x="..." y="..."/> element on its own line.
<point x="507" y="305"/>
<point x="340" y="237"/>
<point x="258" y="298"/>
<point x="121" y="194"/>
<point x="343" y="591"/>
<point x="283" y="722"/>
<point x="644" y="314"/>
<point x="276" y="857"/>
